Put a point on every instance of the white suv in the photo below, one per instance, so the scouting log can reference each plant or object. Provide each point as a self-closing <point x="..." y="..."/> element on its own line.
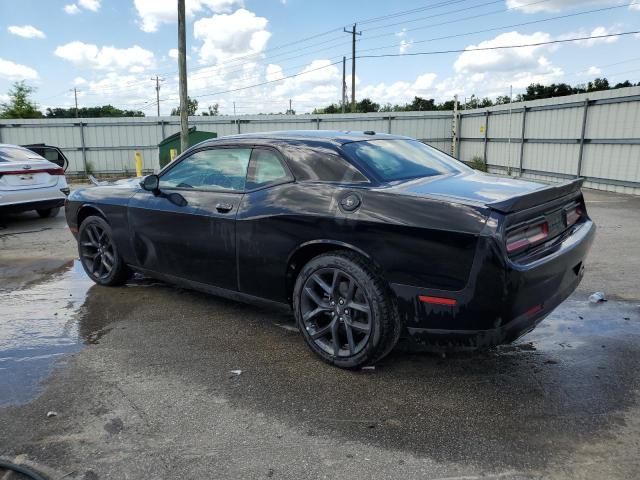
<point x="30" y="182"/>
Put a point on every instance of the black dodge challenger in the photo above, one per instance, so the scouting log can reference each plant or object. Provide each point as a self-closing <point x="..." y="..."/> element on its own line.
<point x="365" y="236"/>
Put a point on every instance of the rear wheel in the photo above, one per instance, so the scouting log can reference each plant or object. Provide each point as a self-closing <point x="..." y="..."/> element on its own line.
<point x="99" y="253"/>
<point x="48" y="212"/>
<point x="345" y="310"/>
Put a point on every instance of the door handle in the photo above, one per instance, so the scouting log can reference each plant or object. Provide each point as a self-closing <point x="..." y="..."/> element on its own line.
<point x="224" y="207"/>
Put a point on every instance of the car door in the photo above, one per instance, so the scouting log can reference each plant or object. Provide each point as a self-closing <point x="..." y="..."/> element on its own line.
<point x="196" y="239"/>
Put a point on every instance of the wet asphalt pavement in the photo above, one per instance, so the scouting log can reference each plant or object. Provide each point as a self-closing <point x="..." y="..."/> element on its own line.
<point x="141" y="380"/>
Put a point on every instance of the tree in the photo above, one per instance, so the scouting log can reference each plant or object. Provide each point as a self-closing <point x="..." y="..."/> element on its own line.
<point x="212" y="111"/>
<point x="333" y="108"/>
<point x="92" y="112"/>
<point x="19" y="104"/>
<point x="192" y="107"/>
<point x="420" y="104"/>
<point x="598" y="84"/>
<point x="366" y="105"/>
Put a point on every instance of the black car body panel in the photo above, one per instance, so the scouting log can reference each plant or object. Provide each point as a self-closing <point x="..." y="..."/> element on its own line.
<point x="441" y="236"/>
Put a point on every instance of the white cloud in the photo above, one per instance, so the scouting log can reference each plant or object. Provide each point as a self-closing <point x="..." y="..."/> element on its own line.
<point x="106" y="58"/>
<point x="14" y="71"/>
<point x="509" y="59"/>
<point x="527" y="6"/>
<point x="225" y="36"/>
<point x="274" y="72"/>
<point x="72" y="9"/>
<point x="75" y="8"/>
<point x="93" y="5"/>
<point x="404" y="45"/>
<point x="400" y="91"/>
<point x="598" y="31"/>
<point x="79" y="81"/>
<point x="492" y="72"/>
<point x="592" y="71"/>
<point x="173" y="53"/>
<point x="26" y="31"/>
<point x="120" y="89"/>
<point x="635" y="5"/>
<point x="317" y="81"/>
<point x="153" y="13"/>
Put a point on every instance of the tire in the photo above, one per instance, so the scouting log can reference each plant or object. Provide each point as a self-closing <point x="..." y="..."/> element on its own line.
<point x="99" y="253"/>
<point x="48" y="212"/>
<point x="368" y="310"/>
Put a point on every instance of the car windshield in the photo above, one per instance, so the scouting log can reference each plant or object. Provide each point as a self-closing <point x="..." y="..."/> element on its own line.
<point x="401" y="159"/>
<point x="17" y="154"/>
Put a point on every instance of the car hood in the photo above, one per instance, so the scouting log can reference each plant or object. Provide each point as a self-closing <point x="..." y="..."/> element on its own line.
<point x="474" y="187"/>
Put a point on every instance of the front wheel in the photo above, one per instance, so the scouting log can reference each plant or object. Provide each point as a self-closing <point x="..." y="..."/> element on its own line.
<point x="99" y="253"/>
<point x="345" y="310"/>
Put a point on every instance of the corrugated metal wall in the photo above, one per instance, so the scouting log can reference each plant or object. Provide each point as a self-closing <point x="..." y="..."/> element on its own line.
<point x="595" y="135"/>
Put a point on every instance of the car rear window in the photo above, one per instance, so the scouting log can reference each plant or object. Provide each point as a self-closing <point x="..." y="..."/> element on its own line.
<point x="17" y="154"/>
<point x="400" y="159"/>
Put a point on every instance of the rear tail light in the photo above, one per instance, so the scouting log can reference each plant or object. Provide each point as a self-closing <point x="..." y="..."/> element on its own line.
<point x="573" y="214"/>
<point x="50" y="171"/>
<point x="450" y="302"/>
<point x="526" y="236"/>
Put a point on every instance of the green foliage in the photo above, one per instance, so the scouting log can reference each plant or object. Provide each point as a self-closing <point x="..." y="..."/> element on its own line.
<point x="212" y="111"/>
<point x="192" y="107"/>
<point x="535" y="91"/>
<point x="92" y="112"/>
<point x="477" y="163"/>
<point x="19" y="104"/>
<point x="90" y="167"/>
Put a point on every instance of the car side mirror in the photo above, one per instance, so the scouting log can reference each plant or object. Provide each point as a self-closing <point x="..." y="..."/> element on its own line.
<point x="151" y="183"/>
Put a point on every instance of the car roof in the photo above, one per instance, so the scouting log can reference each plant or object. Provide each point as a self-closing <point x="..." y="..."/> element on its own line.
<point x="336" y="137"/>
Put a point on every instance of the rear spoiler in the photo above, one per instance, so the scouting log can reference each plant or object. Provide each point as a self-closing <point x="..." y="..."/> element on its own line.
<point x="532" y="199"/>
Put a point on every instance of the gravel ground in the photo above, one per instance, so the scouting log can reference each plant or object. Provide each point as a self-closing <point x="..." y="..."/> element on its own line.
<point x="141" y="380"/>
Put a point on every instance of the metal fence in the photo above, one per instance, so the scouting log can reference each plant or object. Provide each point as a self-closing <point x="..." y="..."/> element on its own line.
<point x="594" y="135"/>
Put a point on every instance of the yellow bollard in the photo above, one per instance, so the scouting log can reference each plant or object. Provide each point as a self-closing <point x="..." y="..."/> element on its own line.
<point x="173" y="153"/>
<point x="138" y="157"/>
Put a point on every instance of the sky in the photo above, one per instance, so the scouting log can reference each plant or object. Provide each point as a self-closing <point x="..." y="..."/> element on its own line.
<point x="109" y="50"/>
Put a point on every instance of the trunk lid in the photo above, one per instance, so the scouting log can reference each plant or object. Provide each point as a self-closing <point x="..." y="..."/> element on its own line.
<point x="499" y="193"/>
<point x="22" y="169"/>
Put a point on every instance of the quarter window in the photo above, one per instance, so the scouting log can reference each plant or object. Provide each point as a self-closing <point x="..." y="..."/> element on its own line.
<point x="214" y="169"/>
<point x="265" y="168"/>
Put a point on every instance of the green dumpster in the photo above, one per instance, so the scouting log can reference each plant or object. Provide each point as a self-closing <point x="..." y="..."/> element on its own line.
<point x="173" y="142"/>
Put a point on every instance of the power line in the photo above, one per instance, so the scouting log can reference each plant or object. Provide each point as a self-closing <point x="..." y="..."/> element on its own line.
<point x="500" y="47"/>
<point x="435" y="52"/>
<point x="521" y="24"/>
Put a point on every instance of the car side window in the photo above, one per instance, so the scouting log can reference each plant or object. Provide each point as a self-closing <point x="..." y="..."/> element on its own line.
<point x="265" y="168"/>
<point x="323" y="165"/>
<point x="212" y="169"/>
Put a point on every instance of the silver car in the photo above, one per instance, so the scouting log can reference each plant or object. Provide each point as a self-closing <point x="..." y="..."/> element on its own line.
<point x="30" y="182"/>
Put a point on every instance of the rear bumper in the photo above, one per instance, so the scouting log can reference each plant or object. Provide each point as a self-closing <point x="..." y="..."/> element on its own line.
<point x="35" y="205"/>
<point x="502" y="300"/>
<point x="25" y="198"/>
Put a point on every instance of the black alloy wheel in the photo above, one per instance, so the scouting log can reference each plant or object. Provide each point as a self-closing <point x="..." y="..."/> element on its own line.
<point x="345" y="310"/>
<point x="336" y="312"/>
<point x="99" y="254"/>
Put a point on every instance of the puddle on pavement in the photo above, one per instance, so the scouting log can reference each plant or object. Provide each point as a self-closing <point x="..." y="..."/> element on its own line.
<point x="39" y="325"/>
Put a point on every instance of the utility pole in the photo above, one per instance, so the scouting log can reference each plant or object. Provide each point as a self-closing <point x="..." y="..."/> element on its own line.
<point x="290" y="109"/>
<point x="182" y="72"/>
<point x="344" y="82"/>
<point x="158" y="80"/>
<point x="234" y="109"/>
<point x="353" y="33"/>
<point x="75" y="96"/>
